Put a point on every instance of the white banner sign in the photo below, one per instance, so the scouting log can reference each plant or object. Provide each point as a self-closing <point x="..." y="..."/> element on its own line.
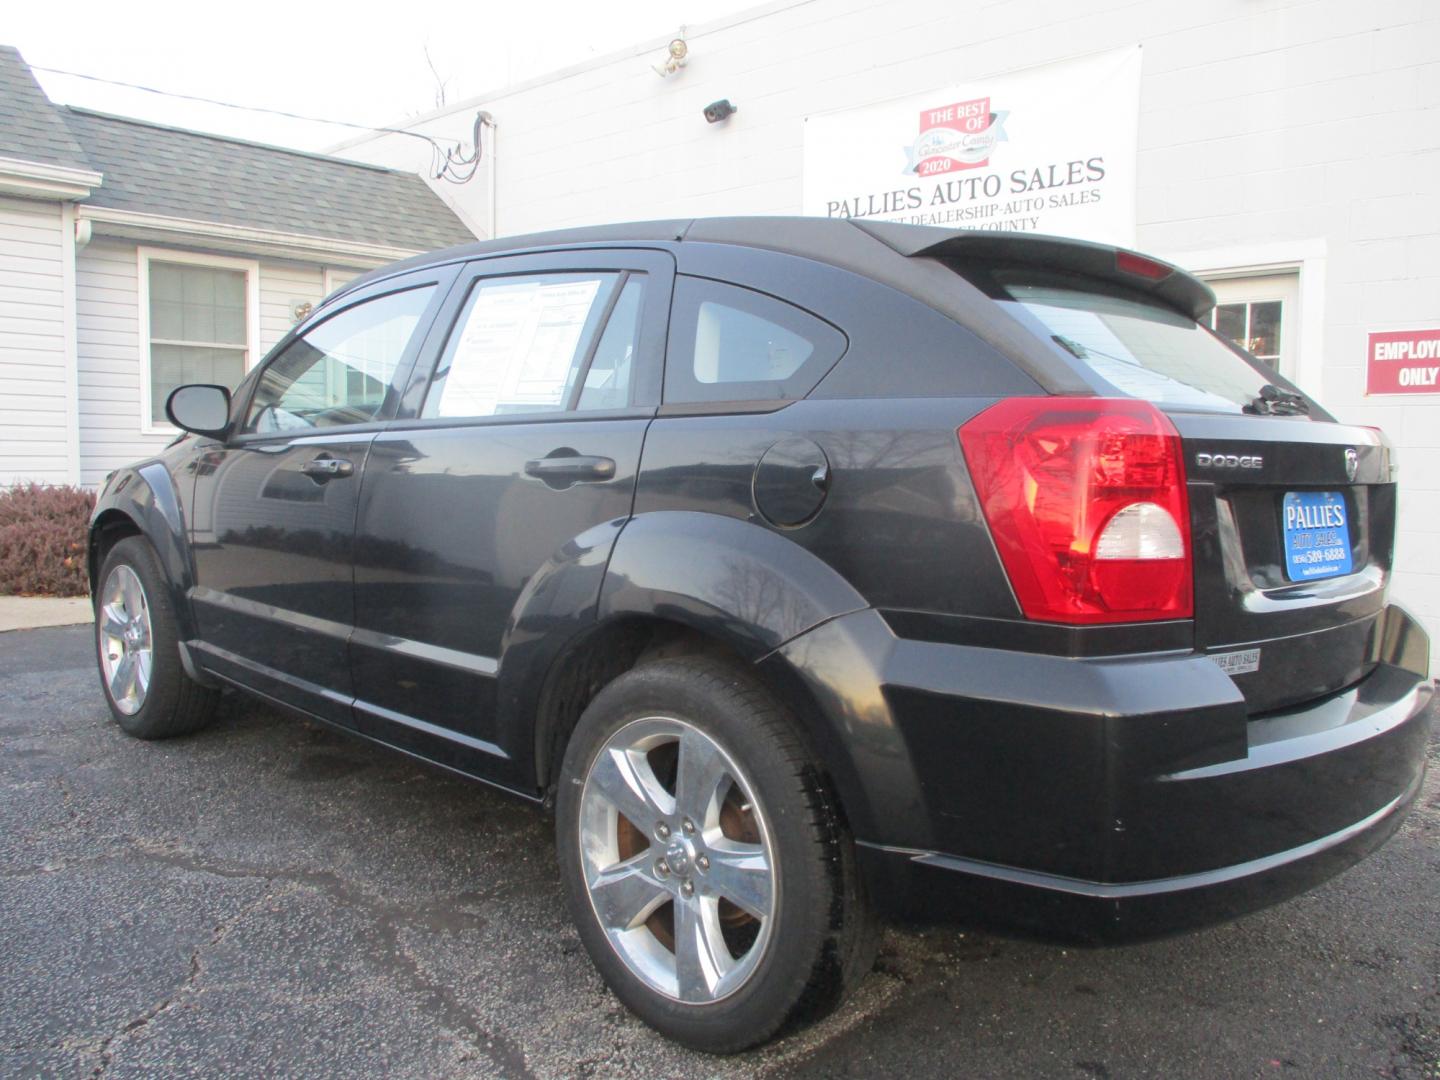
<point x="1050" y="150"/>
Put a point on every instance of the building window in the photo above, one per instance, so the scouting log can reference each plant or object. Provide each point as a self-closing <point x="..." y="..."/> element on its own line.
<point x="1257" y="313"/>
<point x="1254" y="325"/>
<point x="198" y="325"/>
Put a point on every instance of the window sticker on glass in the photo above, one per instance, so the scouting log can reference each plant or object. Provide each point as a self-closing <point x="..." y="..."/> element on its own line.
<point x="518" y="347"/>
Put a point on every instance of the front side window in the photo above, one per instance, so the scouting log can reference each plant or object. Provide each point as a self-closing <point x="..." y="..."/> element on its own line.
<point x="340" y="371"/>
<point x="198" y="328"/>
<point x="733" y="344"/>
<point x="523" y="343"/>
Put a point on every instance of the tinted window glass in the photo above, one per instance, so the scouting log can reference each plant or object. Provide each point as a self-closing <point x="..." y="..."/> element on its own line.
<point x="1142" y="349"/>
<point x="733" y="344"/>
<point x="611" y="372"/>
<point x="340" y="371"/>
<point x="519" y="345"/>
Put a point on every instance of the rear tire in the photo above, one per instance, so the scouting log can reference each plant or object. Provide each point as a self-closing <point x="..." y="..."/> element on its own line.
<point x="137" y="641"/>
<point x="734" y="805"/>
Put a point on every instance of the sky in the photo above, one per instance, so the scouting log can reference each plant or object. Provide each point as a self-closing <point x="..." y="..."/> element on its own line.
<point x="335" y="61"/>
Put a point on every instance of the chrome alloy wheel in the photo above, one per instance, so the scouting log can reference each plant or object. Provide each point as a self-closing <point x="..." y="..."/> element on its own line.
<point x="126" y="651"/>
<point x="678" y="859"/>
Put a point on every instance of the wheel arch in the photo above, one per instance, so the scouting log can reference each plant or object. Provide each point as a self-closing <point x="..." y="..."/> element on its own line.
<point x="681" y="583"/>
<point x="143" y="502"/>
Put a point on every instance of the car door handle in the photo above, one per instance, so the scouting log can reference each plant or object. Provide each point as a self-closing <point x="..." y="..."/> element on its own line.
<point x="322" y="469"/>
<point x="566" y="469"/>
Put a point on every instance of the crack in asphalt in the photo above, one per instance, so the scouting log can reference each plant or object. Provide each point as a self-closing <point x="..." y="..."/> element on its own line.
<point x="1416" y="1055"/>
<point x="389" y="920"/>
<point x="105" y="1054"/>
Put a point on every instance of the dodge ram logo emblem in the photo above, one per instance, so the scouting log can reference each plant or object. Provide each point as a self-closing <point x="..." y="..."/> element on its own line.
<point x="1352" y="463"/>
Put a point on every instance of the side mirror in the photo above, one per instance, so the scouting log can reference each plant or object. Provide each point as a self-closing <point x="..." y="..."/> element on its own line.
<point x="200" y="407"/>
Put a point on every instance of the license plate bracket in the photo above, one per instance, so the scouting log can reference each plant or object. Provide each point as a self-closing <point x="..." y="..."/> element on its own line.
<point x="1316" y="527"/>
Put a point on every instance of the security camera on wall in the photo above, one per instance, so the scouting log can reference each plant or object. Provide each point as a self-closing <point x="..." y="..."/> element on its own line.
<point x="717" y="111"/>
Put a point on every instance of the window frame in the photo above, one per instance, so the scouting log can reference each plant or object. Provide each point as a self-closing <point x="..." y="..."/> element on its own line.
<point x="440" y="277"/>
<point x="602" y="307"/>
<point x="656" y="264"/>
<point x="144" y="257"/>
<point x="831" y="344"/>
<point x="1307" y="260"/>
<point x="329" y="274"/>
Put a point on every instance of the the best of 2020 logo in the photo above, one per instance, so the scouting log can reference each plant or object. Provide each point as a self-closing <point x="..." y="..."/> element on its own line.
<point x="958" y="136"/>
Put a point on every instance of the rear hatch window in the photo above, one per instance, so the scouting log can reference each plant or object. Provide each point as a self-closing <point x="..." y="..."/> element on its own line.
<point x="1140" y="348"/>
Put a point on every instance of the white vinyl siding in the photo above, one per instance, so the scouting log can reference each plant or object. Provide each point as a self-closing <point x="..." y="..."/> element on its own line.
<point x="283" y="287"/>
<point x="336" y="276"/>
<point x="33" y="387"/>
<point x="108" y="329"/>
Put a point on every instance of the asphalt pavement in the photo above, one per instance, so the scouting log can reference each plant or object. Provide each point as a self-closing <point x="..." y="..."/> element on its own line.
<point x="268" y="897"/>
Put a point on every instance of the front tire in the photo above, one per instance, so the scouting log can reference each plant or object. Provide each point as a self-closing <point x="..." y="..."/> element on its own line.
<point x="137" y="641"/>
<point x="703" y="858"/>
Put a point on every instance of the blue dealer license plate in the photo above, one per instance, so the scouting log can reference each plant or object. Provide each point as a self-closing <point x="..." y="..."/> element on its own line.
<point x="1317" y="535"/>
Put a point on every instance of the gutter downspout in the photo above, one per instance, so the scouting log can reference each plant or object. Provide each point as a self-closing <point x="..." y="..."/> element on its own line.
<point x="488" y="121"/>
<point x="69" y="299"/>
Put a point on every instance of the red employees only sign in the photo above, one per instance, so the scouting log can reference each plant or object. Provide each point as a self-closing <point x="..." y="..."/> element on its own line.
<point x="1404" y="362"/>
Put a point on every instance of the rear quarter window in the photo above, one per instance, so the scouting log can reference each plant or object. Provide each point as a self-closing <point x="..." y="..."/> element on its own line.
<point x="729" y="343"/>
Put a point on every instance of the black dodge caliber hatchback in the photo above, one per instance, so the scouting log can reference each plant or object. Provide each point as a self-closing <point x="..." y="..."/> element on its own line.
<point x="810" y="570"/>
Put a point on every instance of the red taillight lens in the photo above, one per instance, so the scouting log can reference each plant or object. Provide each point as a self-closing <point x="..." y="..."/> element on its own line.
<point x="1085" y="498"/>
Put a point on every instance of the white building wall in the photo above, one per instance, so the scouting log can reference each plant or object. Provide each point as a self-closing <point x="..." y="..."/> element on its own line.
<point x="34" y="444"/>
<point x="1299" y="131"/>
<point x="283" y="287"/>
<point x="109" y="346"/>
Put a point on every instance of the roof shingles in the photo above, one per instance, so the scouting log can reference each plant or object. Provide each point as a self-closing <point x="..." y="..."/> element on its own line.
<point x="31" y="128"/>
<point x="171" y="172"/>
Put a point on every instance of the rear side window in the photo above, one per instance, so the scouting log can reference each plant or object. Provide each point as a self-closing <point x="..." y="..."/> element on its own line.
<point x="1142" y="349"/>
<point x="733" y="344"/>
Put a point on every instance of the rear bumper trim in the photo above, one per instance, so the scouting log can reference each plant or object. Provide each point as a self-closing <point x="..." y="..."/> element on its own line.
<point x="1378" y="706"/>
<point x="1099" y="890"/>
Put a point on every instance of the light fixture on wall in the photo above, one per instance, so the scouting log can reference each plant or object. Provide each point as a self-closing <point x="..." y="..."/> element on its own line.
<point x="675" y="55"/>
<point x="301" y="308"/>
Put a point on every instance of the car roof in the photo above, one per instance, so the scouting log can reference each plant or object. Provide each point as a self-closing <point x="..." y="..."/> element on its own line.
<point x="846" y="242"/>
<point x="909" y="258"/>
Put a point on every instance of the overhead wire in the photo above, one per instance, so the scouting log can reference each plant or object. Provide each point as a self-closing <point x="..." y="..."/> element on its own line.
<point x="442" y="158"/>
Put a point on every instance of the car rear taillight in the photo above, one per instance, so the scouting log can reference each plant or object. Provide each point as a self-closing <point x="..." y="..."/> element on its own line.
<point x="1085" y="498"/>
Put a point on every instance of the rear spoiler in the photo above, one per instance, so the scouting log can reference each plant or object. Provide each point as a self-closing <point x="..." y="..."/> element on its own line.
<point x="1166" y="282"/>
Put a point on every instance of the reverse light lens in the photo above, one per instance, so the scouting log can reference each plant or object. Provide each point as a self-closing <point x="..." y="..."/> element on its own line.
<point x="1141" y="531"/>
<point x="1085" y="498"/>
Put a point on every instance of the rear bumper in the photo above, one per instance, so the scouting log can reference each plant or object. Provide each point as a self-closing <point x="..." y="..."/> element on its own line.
<point x="1128" y="797"/>
<point x="939" y="887"/>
